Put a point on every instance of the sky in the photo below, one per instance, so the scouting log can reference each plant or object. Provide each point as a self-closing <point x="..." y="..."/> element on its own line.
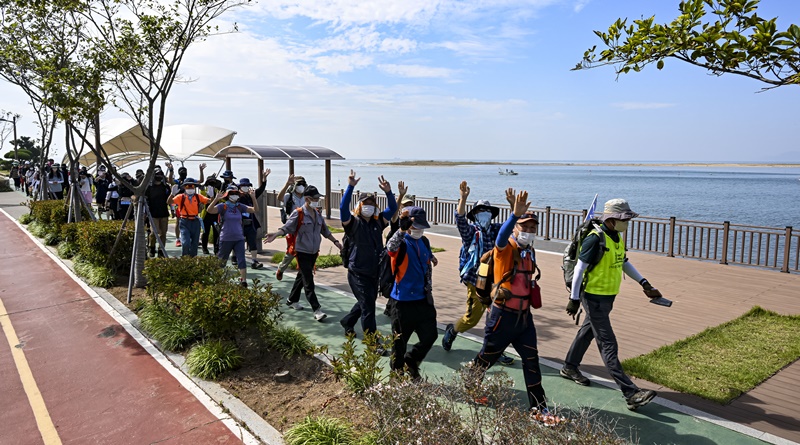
<point x="469" y="79"/>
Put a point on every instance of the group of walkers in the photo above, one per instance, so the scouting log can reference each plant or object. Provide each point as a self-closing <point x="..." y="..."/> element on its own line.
<point x="501" y="252"/>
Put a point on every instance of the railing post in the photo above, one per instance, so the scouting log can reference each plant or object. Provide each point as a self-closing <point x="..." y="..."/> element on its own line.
<point x="787" y="247"/>
<point x="547" y="223"/>
<point x="726" y="228"/>
<point x="435" y="210"/>
<point x="671" y="237"/>
<point x="584" y="212"/>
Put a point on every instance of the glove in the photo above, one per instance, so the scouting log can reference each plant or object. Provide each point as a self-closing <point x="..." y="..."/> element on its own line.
<point x="649" y="290"/>
<point x="405" y="223"/>
<point x="573" y="306"/>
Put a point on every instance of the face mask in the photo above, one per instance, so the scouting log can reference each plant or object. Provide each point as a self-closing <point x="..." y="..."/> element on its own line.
<point x="313" y="204"/>
<point x="620" y="226"/>
<point x="300" y="189"/>
<point x="483" y="219"/>
<point x="525" y="239"/>
<point x="417" y="233"/>
<point x="233" y="198"/>
<point x="190" y="192"/>
<point x="245" y="189"/>
<point x="367" y="211"/>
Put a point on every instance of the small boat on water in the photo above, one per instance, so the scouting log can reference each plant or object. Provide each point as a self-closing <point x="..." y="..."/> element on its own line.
<point x="508" y="172"/>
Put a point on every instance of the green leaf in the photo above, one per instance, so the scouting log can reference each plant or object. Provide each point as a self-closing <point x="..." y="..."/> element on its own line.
<point x="660" y="64"/>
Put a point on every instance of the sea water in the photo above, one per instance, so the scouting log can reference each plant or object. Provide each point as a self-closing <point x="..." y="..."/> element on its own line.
<point x="759" y="196"/>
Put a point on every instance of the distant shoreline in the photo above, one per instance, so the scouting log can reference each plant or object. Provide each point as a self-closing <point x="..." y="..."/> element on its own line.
<point x="432" y="163"/>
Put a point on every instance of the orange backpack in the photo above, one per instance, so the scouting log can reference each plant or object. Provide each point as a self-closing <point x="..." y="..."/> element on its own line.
<point x="291" y="238"/>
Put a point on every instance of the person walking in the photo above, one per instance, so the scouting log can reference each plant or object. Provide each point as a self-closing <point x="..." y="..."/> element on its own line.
<point x="308" y="227"/>
<point x="293" y="198"/>
<point x="410" y="304"/>
<point x="365" y="234"/>
<point x="125" y="197"/>
<point x="510" y="321"/>
<point x="478" y="235"/>
<point x="55" y="182"/>
<point x="250" y="220"/>
<point x="157" y="195"/>
<point x="232" y="237"/>
<point x="85" y="183"/>
<point x="188" y="206"/>
<point x="597" y="278"/>
<point x="15" y="174"/>
<point x="101" y="184"/>
<point x="212" y="186"/>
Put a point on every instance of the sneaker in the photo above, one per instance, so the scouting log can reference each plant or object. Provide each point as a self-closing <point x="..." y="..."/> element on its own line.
<point x="640" y="398"/>
<point x="256" y="265"/>
<point x="546" y="418"/>
<point x="205" y="251"/>
<point x="348" y="331"/>
<point x="505" y="360"/>
<point x="413" y="368"/>
<point x="152" y="252"/>
<point x="178" y="243"/>
<point x="279" y="275"/>
<point x="296" y="305"/>
<point x="243" y="283"/>
<point x="319" y="315"/>
<point x="449" y="337"/>
<point x="574" y="375"/>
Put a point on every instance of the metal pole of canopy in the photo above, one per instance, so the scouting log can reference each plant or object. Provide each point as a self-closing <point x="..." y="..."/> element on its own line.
<point x="328" y="188"/>
<point x="228" y="163"/>
<point x="291" y="166"/>
<point x="262" y="205"/>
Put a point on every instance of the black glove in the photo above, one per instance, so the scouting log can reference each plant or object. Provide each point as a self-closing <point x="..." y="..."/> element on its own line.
<point x="649" y="290"/>
<point x="405" y="223"/>
<point x="573" y="306"/>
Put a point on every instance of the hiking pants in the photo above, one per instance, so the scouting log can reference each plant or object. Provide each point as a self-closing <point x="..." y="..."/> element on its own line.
<point x="508" y="327"/>
<point x="190" y="235"/>
<point x="597" y="326"/>
<point x="304" y="280"/>
<point x="225" y="248"/>
<point x="161" y="226"/>
<point x="365" y="289"/>
<point x="408" y="317"/>
<point x="285" y="262"/>
<point x="474" y="313"/>
<point x="250" y="236"/>
<point x="209" y="225"/>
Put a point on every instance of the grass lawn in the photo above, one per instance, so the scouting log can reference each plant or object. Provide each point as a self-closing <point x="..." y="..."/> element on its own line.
<point x="724" y="361"/>
<point x="436" y="249"/>
<point x="323" y="261"/>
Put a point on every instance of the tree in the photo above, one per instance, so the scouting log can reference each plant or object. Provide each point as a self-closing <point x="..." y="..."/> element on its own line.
<point x="738" y="42"/>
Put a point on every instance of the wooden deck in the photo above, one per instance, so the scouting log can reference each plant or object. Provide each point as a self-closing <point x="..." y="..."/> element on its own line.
<point x="705" y="294"/>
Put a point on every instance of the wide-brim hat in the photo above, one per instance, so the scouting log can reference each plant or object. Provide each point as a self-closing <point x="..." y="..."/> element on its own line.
<point x="299" y="180"/>
<point x="480" y="206"/>
<point x="419" y="219"/>
<point x="245" y="182"/>
<point x="312" y="192"/>
<point x="227" y="174"/>
<point x="408" y="199"/>
<point x="618" y="209"/>
<point x="190" y="181"/>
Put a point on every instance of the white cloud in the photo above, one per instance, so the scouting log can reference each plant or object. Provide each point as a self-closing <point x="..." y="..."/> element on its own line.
<point x="342" y="63"/>
<point x="395" y="45"/>
<point x="416" y="71"/>
<point x="580" y="4"/>
<point x="642" y="105"/>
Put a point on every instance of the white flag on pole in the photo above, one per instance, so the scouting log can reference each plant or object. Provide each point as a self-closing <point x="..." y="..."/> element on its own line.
<point x="590" y="213"/>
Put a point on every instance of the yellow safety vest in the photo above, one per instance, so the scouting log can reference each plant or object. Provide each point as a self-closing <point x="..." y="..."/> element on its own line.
<point x="606" y="277"/>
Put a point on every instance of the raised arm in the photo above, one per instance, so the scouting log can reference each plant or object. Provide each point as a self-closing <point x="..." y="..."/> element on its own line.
<point x="289" y="181"/>
<point x="463" y="189"/>
<point x="521" y="205"/>
<point x="263" y="186"/>
<point x="391" y="203"/>
<point x="344" y="205"/>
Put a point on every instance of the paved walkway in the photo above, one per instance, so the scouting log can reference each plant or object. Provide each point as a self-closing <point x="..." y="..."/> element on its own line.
<point x="704" y="296"/>
<point x="70" y="373"/>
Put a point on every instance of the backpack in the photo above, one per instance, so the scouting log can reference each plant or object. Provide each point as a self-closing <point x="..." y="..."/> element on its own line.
<point x="291" y="238"/>
<point x="288" y="206"/>
<point x="347" y="246"/>
<point x="573" y="249"/>
<point x="387" y="274"/>
<point x="489" y="291"/>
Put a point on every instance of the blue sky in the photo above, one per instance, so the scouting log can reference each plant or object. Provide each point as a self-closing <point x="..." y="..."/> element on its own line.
<point x="473" y="79"/>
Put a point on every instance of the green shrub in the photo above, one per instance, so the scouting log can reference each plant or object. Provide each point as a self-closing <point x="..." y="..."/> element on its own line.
<point x="37" y="229"/>
<point x="212" y="358"/>
<point x="321" y="431"/>
<point x="166" y="276"/>
<point x="360" y="370"/>
<point x="67" y="249"/>
<point x="96" y="238"/>
<point x="100" y="276"/>
<point x="289" y="341"/>
<point x="175" y="333"/>
<point x="26" y="219"/>
<point x="51" y="238"/>
<point x="220" y="310"/>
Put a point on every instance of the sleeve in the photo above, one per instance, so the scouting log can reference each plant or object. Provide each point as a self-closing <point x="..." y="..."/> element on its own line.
<point x="242" y="207"/>
<point x="505" y="231"/>
<point x="391" y="206"/>
<point x="326" y="231"/>
<point x="344" y="205"/>
<point x="203" y="199"/>
<point x="577" y="279"/>
<point x="260" y="189"/>
<point x="393" y="245"/>
<point x="465" y="229"/>
<point x="291" y="223"/>
<point x="631" y="271"/>
<point x="178" y="200"/>
<point x="220" y="208"/>
<point x="589" y="248"/>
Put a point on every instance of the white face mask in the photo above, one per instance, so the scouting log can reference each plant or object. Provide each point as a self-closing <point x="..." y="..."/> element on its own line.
<point x="525" y="239"/>
<point x="620" y="226"/>
<point x="483" y="219"/>
<point x="300" y="189"/>
<point x="190" y="192"/>
<point x="233" y="198"/>
<point x="367" y="211"/>
<point x="313" y="204"/>
<point x="417" y="233"/>
<point x="245" y="189"/>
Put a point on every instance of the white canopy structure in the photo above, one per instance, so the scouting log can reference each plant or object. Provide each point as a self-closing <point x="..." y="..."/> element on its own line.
<point x="182" y="142"/>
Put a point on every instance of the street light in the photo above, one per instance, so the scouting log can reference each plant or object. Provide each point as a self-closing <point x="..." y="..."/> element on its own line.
<point x="13" y="122"/>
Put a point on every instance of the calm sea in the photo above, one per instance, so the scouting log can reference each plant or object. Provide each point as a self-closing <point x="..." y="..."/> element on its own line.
<point x="762" y="196"/>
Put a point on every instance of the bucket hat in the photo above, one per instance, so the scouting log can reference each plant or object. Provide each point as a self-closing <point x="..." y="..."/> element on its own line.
<point x="190" y="181"/>
<point x="408" y="200"/>
<point x="311" y="192"/>
<point x="618" y="208"/>
<point x="245" y="182"/>
<point x="480" y="206"/>
<point x="227" y="174"/>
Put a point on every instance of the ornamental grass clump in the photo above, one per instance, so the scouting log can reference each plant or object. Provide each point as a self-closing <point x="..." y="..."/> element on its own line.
<point x="160" y="320"/>
<point x="212" y="358"/>
<point x="166" y="276"/>
<point x="321" y="431"/>
<point x="288" y="340"/>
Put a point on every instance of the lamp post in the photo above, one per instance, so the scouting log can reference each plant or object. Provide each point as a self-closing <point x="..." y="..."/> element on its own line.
<point x="15" y="141"/>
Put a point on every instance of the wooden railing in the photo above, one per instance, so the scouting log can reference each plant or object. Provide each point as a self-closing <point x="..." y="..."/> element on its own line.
<point x="768" y="247"/>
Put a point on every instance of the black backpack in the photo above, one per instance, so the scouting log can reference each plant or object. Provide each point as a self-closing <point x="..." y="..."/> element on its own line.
<point x="387" y="274"/>
<point x="573" y="250"/>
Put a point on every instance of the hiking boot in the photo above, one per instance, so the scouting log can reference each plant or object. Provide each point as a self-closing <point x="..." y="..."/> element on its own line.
<point x="348" y="331"/>
<point x="296" y="305"/>
<point x="640" y="398"/>
<point x="574" y="375"/>
<point x="152" y="252"/>
<point x="449" y="337"/>
<point x="413" y="368"/>
<point x="205" y="251"/>
<point x="243" y="283"/>
<point x="256" y="265"/>
<point x="319" y="315"/>
<point x="505" y="360"/>
<point x="279" y="275"/>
